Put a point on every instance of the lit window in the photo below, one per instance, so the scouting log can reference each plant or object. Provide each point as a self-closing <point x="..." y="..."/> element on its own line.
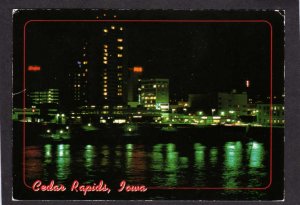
<point x="84" y="54"/>
<point x="119" y="74"/>
<point x="85" y="62"/>
<point x="105" y="54"/>
<point x="120" y="55"/>
<point x="154" y="86"/>
<point x="105" y="30"/>
<point x="75" y="86"/>
<point x="83" y="74"/>
<point x="105" y="86"/>
<point x="104" y="58"/>
<point x="104" y="62"/>
<point x="78" y="74"/>
<point x="105" y="73"/>
<point x="86" y="70"/>
<point x="120" y="47"/>
<point x="105" y="82"/>
<point x="120" y="39"/>
<point x="104" y="89"/>
<point x="84" y="47"/>
<point x="119" y="66"/>
<point x="78" y="86"/>
<point x="105" y="46"/>
<point x="105" y="77"/>
<point x="113" y="27"/>
<point x="120" y="78"/>
<point x="105" y="93"/>
<point x="121" y="28"/>
<point x="105" y="50"/>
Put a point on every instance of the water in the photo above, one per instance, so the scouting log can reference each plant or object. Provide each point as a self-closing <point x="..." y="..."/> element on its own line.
<point x="231" y="164"/>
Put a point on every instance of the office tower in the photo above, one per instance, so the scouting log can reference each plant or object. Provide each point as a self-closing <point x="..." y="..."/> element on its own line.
<point x="113" y="85"/>
<point x="80" y="77"/>
<point x="155" y="94"/>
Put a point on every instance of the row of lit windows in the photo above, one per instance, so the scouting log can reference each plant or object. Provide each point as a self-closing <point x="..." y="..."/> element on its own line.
<point x="150" y="98"/>
<point x="155" y="86"/>
<point x="83" y="74"/>
<point x="112" y="28"/>
<point x="150" y="105"/>
<point x="149" y="101"/>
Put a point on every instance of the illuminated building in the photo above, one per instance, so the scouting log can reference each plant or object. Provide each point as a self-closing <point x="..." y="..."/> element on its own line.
<point x="134" y="84"/>
<point x="113" y="66"/>
<point x="80" y="78"/>
<point x="263" y="114"/>
<point x="237" y="102"/>
<point x="155" y="94"/>
<point x="47" y="96"/>
<point x="222" y="103"/>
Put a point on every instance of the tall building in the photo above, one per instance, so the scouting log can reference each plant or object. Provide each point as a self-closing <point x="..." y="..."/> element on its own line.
<point x="113" y="69"/>
<point x="155" y="94"/>
<point x="80" y="78"/>
<point x="101" y="70"/>
<point x="134" y="84"/>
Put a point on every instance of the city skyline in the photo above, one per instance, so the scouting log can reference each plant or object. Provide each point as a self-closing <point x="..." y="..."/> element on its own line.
<point x="196" y="58"/>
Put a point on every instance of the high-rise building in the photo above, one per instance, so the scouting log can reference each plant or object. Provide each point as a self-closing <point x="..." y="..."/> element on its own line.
<point x="113" y="85"/>
<point x="80" y="78"/>
<point x="155" y="94"/>
<point x="134" y="84"/>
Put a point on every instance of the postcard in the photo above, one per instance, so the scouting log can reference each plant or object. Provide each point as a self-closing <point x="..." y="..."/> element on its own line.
<point x="148" y="105"/>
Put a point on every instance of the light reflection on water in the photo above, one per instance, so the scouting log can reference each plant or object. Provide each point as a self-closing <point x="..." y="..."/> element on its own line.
<point x="234" y="164"/>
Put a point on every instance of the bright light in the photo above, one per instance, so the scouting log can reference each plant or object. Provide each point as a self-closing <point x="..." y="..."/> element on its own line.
<point x="34" y="68"/>
<point x="48" y="131"/>
<point x="89" y="124"/>
<point x="137" y="69"/>
<point x="61" y="131"/>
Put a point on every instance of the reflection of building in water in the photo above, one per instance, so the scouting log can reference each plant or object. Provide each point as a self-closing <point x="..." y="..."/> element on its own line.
<point x="232" y="164"/>
<point x="63" y="162"/>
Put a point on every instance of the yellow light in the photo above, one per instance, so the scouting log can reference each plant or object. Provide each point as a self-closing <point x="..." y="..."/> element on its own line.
<point x="113" y="27"/>
<point x="105" y="77"/>
<point x="105" y="46"/>
<point x="120" y="55"/>
<point x="120" y="47"/>
<point x="105" y="50"/>
<point x="121" y="28"/>
<point x="105" y="93"/>
<point x="104" y="58"/>
<point x="120" y="40"/>
<point x="85" y="62"/>
<point x="105" y="30"/>
<point x="104" y="62"/>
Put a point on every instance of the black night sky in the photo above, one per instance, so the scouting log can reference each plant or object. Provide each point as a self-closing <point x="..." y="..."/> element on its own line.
<point x="196" y="57"/>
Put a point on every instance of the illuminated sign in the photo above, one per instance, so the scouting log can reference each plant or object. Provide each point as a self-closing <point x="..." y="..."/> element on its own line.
<point x="247" y="83"/>
<point x="137" y="69"/>
<point x="34" y="68"/>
